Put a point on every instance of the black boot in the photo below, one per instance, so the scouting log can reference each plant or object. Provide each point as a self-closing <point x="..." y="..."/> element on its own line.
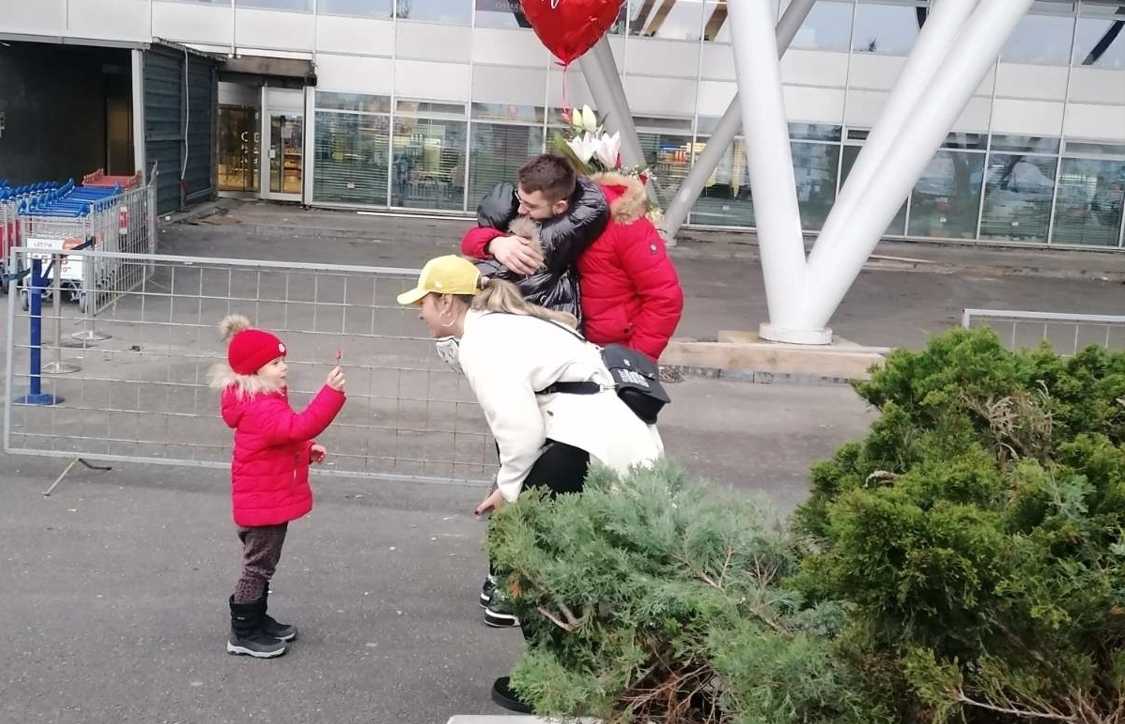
<point x="270" y="627"/>
<point x="246" y="635"/>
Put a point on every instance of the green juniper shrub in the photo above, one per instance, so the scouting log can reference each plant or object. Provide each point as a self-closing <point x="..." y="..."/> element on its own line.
<point x="978" y="534"/>
<point x="647" y="598"/>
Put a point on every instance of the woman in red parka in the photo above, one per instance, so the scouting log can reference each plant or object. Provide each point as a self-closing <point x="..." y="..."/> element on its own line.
<point x="631" y="294"/>
<point x="273" y="446"/>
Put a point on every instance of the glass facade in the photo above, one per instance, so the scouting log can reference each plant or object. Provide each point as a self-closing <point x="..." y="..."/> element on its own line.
<point x="1037" y="157"/>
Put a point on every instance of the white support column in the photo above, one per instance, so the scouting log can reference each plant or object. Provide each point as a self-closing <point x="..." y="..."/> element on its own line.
<point x="729" y="126"/>
<point x="599" y="66"/>
<point x="926" y="58"/>
<point x="138" y="120"/>
<point x="833" y="269"/>
<point x="771" y="173"/>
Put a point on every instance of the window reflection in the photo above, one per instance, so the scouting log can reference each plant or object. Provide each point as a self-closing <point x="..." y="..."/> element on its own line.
<point x="301" y="6"/>
<point x="365" y="8"/>
<point x="725" y="200"/>
<point x="1040" y="39"/>
<point x="669" y="158"/>
<point x="500" y="14"/>
<point x="897" y="227"/>
<point x="827" y="27"/>
<point x="428" y="170"/>
<point x="815" y="166"/>
<point x="447" y="12"/>
<point x="668" y="19"/>
<point x="1088" y="210"/>
<point x="496" y="153"/>
<point x="1017" y="197"/>
<point x="882" y="29"/>
<point x="351" y="152"/>
<point x="1100" y="42"/>
<point x="946" y="200"/>
<point x="716" y="29"/>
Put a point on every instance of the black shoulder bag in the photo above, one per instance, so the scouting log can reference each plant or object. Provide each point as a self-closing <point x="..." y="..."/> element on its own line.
<point x="636" y="378"/>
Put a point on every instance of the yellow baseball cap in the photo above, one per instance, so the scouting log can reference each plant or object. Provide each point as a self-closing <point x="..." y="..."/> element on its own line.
<point x="443" y="275"/>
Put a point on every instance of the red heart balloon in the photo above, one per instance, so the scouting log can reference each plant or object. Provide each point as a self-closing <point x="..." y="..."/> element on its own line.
<point x="568" y="28"/>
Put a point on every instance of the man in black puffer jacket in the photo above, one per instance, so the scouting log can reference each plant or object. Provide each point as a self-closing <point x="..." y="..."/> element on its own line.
<point x="572" y="213"/>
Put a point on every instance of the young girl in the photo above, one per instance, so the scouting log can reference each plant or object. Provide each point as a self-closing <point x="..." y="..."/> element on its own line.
<point x="273" y="447"/>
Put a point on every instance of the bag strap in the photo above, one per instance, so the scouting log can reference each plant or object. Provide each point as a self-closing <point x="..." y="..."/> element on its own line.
<point x="573" y="388"/>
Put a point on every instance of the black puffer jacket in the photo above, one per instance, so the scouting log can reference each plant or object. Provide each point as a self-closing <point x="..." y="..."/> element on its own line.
<point x="563" y="239"/>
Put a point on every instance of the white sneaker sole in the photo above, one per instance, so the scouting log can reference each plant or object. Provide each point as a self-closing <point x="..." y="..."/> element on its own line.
<point x="243" y="651"/>
<point x="500" y="620"/>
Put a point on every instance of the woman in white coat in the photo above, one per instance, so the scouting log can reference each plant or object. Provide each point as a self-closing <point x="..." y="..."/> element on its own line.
<point x="511" y="352"/>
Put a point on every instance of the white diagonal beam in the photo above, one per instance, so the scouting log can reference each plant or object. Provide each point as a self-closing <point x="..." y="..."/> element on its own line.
<point x="917" y="76"/>
<point x="729" y="126"/>
<point x="772" y="180"/>
<point x="833" y="268"/>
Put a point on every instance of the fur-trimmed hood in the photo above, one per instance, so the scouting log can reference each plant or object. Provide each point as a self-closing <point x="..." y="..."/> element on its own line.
<point x="626" y="195"/>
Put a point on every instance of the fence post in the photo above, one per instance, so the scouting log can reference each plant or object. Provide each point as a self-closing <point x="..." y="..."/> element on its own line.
<point x="58" y="367"/>
<point x="35" y="394"/>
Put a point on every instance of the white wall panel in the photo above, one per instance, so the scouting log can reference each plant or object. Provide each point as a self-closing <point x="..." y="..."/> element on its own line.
<point x="188" y="22"/>
<point x="1031" y="81"/>
<point x="718" y="62"/>
<point x="572" y="89"/>
<point x="1106" y="123"/>
<point x="1030" y="118"/>
<point x="814" y="67"/>
<point x="660" y="96"/>
<point x="353" y="74"/>
<point x="508" y="47"/>
<point x="434" y="42"/>
<point x="274" y="29"/>
<point x="111" y="19"/>
<point x="42" y="17"/>
<point x="714" y="97"/>
<point x="1093" y="85"/>
<point x="663" y="57"/>
<point x="500" y="84"/>
<point x="814" y="105"/>
<point x="335" y="34"/>
<point x="432" y="81"/>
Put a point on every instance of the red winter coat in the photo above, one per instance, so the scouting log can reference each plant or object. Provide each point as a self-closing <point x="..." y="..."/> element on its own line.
<point x="270" y="463"/>
<point x="631" y="294"/>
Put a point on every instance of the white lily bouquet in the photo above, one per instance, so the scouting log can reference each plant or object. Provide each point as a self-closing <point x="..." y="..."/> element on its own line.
<point x="592" y="150"/>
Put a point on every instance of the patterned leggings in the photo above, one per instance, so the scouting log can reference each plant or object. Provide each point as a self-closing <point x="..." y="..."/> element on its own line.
<point x="261" y="550"/>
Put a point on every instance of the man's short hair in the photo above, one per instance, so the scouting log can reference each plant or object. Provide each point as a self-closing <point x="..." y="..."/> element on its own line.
<point x="551" y="174"/>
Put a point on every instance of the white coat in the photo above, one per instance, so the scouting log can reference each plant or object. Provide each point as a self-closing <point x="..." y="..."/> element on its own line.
<point x="507" y="358"/>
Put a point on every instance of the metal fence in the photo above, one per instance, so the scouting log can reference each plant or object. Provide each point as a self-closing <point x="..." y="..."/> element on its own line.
<point x="1066" y="333"/>
<point x="142" y="395"/>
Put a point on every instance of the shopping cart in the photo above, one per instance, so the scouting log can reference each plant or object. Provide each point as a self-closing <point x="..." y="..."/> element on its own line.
<point x="11" y="198"/>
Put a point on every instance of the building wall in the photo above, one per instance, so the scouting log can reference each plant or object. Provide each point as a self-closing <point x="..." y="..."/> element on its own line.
<point x="425" y="106"/>
<point x="55" y="101"/>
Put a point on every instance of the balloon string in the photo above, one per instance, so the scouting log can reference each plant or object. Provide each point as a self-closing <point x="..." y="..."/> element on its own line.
<point x="565" y="94"/>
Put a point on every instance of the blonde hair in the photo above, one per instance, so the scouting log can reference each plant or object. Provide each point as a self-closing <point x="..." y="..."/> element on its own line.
<point x="497" y="295"/>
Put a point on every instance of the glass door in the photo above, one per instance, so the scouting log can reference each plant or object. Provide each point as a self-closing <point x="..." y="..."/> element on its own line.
<point x="239" y="141"/>
<point x="286" y="154"/>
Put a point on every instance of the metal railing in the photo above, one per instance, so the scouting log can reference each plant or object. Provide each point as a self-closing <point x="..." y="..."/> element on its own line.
<point x="142" y="395"/>
<point x="1066" y="333"/>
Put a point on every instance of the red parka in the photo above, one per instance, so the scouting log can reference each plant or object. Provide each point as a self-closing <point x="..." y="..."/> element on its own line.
<point x="631" y="294"/>
<point x="270" y="462"/>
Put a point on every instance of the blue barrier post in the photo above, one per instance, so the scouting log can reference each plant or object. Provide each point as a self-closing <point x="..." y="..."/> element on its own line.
<point x="35" y="394"/>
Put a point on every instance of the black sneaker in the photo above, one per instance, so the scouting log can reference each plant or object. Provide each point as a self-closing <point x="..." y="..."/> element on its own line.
<point x="486" y="590"/>
<point x="272" y="627"/>
<point x="498" y="612"/>
<point x="504" y="695"/>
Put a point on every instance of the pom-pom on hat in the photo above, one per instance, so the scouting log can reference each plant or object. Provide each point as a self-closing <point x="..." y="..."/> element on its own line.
<point x="250" y="349"/>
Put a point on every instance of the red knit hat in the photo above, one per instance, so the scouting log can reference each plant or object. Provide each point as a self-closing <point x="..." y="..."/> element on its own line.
<point x="250" y="349"/>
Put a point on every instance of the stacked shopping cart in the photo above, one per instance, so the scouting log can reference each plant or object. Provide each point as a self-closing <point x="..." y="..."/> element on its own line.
<point x="11" y="198"/>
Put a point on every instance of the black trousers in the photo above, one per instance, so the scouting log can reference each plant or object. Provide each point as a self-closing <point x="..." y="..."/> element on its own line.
<point x="560" y="468"/>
